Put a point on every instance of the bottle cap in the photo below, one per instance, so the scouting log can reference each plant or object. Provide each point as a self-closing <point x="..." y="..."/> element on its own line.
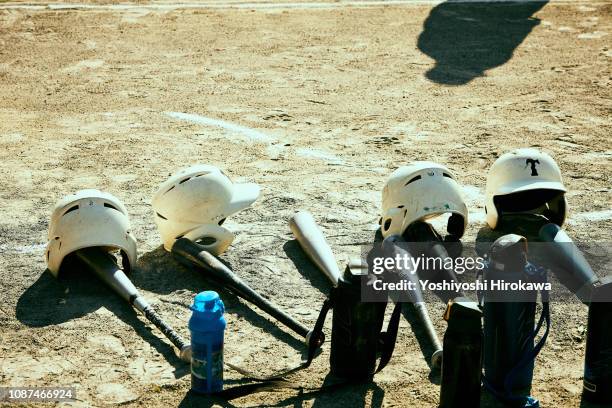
<point x="208" y="304"/>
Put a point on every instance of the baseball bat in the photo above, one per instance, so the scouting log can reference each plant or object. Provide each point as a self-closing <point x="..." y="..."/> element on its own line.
<point x="311" y="239"/>
<point x="572" y="270"/>
<point x="218" y="271"/>
<point x="105" y="267"/>
<point x="416" y="297"/>
<point x="423" y="232"/>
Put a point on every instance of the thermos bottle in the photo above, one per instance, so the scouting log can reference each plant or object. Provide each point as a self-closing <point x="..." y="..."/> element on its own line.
<point x="598" y="355"/>
<point x="462" y="355"/>
<point x="509" y="320"/>
<point x="356" y="328"/>
<point x="207" y="326"/>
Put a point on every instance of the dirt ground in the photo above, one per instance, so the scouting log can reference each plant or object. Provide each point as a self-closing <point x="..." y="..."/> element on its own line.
<point x="330" y="100"/>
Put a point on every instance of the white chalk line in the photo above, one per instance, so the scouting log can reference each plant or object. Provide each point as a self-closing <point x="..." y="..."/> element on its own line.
<point x="253" y="135"/>
<point x="592" y="216"/>
<point x="265" y="5"/>
<point x="23" y="249"/>
<point x="203" y="120"/>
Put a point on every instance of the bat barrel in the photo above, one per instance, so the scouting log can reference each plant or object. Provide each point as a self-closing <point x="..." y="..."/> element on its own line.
<point x="193" y="253"/>
<point x="436" y="357"/>
<point x="416" y="297"/>
<point x="313" y="242"/>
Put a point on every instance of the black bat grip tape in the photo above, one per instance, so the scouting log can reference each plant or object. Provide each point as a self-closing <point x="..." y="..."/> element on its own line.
<point x="173" y="336"/>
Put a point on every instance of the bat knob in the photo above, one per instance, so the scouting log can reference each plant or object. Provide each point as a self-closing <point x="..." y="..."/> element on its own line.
<point x="185" y="353"/>
<point x="319" y="341"/>
<point x="436" y="359"/>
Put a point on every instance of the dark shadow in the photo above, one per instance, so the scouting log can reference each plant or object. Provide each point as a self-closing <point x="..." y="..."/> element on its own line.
<point x="305" y="266"/>
<point x="467" y="39"/>
<point x="160" y="272"/>
<point x="76" y="293"/>
<point x="333" y="389"/>
<point x="587" y="404"/>
<point x="194" y="400"/>
<point x="420" y="334"/>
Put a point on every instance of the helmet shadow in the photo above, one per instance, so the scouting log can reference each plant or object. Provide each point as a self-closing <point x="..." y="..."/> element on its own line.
<point x="78" y="293"/>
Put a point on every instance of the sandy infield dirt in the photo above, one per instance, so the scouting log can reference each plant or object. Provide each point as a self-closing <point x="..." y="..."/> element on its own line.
<point x="318" y="106"/>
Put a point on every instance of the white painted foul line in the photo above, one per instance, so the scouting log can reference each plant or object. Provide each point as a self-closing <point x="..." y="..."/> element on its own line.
<point x="23" y="249"/>
<point x="251" y="135"/>
<point x="203" y="120"/>
<point x="266" y="5"/>
<point x="592" y="216"/>
<point x="574" y="219"/>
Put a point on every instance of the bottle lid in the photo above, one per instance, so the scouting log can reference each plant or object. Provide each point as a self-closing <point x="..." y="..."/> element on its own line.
<point x="208" y="304"/>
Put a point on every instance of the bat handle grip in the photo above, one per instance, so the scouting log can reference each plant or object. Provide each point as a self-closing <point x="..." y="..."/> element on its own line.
<point x="169" y="332"/>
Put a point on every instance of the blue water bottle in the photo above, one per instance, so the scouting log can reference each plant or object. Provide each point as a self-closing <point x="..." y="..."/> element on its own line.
<point x="206" y="326"/>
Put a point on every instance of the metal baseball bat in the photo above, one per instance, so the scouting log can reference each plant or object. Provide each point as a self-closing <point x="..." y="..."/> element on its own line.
<point x="311" y="239"/>
<point x="196" y="255"/>
<point x="105" y="267"/>
<point x="416" y="297"/>
<point x="570" y="266"/>
<point x="424" y="232"/>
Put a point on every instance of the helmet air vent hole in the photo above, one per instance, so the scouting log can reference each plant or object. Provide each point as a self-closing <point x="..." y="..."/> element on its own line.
<point x="412" y="180"/>
<point x="107" y="205"/>
<point x="73" y="208"/>
<point x="169" y="190"/>
<point x="447" y="175"/>
<point x="222" y="221"/>
<point x="400" y="206"/>
<point x="206" y="241"/>
<point x="161" y="216"/>
<point x="184" y="180"/>
<point x="387" y="223"/>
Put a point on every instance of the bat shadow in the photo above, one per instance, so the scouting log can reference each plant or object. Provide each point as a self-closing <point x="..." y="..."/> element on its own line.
<point x="51" y="301"/>
<point x="352" y="394"/>
<point x="305" y="266"/>
<point x="467" y="39"/>
<point x="160" y="272"/>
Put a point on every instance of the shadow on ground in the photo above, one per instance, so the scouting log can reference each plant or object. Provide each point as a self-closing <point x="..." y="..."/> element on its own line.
<point x="467" y="39"/>
<point x="305" y="266"/>
<point x="162" y="273"/>
<point x="332" y="392"/>
<point x="76" y="293"/>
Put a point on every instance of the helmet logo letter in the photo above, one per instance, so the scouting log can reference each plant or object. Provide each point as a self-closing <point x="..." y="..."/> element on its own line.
<point x="534" y="171"/>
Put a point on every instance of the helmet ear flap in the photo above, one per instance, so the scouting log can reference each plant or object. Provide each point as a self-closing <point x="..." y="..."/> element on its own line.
<point x="125" y="262"/>
<point x="557" y="209"/>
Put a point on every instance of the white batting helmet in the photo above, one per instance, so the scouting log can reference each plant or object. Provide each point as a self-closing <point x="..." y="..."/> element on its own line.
<point x="419" y="191"/>
<point x="195" y="202"/>
<point x="525" y="180"/>
<point x="89" y="218"/>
